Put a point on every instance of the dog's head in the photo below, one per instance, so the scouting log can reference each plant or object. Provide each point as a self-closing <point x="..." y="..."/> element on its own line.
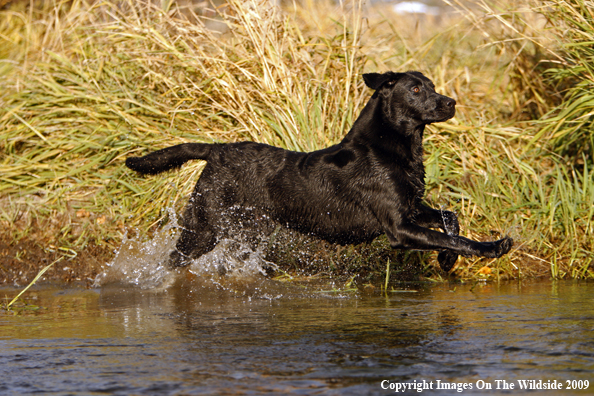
<point x="410" y="96"/>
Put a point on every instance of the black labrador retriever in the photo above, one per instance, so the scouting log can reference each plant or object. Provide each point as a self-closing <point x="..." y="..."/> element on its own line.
<point x="371" y="183"/>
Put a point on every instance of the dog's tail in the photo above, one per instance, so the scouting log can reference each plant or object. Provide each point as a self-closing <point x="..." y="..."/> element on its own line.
<point x="169" y="158"/>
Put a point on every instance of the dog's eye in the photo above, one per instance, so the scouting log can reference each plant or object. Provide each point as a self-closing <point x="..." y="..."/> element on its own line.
<point x="416" y="90"/>
<point x="391" y="83"/>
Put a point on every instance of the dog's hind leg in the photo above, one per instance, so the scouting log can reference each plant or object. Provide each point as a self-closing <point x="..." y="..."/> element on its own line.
<point x="191" y="245"/>
<point x="198" y="235"/>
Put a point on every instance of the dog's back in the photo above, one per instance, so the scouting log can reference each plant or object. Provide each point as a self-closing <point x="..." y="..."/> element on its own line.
<point x="308" y="192"/>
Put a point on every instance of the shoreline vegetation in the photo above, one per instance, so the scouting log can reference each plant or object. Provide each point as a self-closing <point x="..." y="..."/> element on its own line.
<point x="85" y="84"/>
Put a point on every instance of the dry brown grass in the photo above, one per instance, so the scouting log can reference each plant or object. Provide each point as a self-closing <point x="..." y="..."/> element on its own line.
<point x="84" y="85"/>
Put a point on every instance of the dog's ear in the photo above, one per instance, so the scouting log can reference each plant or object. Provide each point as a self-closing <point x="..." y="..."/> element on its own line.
<point x="376" y="80"/>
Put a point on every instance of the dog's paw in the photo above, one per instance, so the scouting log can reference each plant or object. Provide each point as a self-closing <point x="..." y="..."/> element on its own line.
<point x="499" y="248"/>
<point x="504" y="245"/>
<point x="447" y="259"/>
<point x="450" y="222"/>
<point x="177" y="260"/>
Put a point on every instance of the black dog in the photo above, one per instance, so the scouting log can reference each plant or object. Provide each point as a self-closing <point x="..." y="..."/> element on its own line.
<point x="369" y="184"/>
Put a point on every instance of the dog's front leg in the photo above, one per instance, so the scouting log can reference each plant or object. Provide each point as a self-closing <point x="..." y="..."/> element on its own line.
<point x="408" y="235"/>
<point x="447" y="221"/>
<point x="433" y="218"/>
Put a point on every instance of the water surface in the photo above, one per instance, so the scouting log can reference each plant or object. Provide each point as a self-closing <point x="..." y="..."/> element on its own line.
<point x="261" y="336"/>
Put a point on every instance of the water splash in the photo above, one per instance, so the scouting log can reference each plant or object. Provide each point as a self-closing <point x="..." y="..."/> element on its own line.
<point x="446" y="219"/>
<point x="233" y="259"/>
<point x="145" y="263"/>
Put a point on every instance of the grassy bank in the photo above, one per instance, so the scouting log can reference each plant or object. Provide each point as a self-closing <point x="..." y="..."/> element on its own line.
<point x="84" y="85"/>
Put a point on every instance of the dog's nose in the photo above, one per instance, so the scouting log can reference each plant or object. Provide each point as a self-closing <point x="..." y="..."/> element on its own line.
<point x="450" y="102"/>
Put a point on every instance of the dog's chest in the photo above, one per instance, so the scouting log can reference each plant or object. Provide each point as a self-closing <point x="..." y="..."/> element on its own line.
<point x="409" y="184"/>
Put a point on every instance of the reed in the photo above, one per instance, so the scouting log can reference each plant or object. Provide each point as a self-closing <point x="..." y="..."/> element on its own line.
<point x="553" y="71"/>
<point x="550" y="69"/>
<point x="570" y="125"/>
<point x="84" y="85"/>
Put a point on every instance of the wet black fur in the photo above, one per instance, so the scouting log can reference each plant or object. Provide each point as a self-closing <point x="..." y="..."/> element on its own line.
<point x="369" y="184"/>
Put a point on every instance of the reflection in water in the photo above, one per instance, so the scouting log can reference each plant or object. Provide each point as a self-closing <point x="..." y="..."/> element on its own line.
<point x="259" y="336"/>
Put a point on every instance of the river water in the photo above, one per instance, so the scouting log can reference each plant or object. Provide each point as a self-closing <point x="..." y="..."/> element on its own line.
<point x="258" y="335"/>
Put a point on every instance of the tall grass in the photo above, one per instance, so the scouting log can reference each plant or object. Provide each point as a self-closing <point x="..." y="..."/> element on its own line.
<point x="111" y="81"/>
<point x="553" y="43"/>
<point x="551" y="77"/>
<point x="570" y="126"/>
<point x="87" y="84"/>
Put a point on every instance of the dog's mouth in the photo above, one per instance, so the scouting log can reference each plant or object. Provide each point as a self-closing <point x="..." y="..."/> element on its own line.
<point x="444" y="115"/>
<point x="450" y="114"/>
